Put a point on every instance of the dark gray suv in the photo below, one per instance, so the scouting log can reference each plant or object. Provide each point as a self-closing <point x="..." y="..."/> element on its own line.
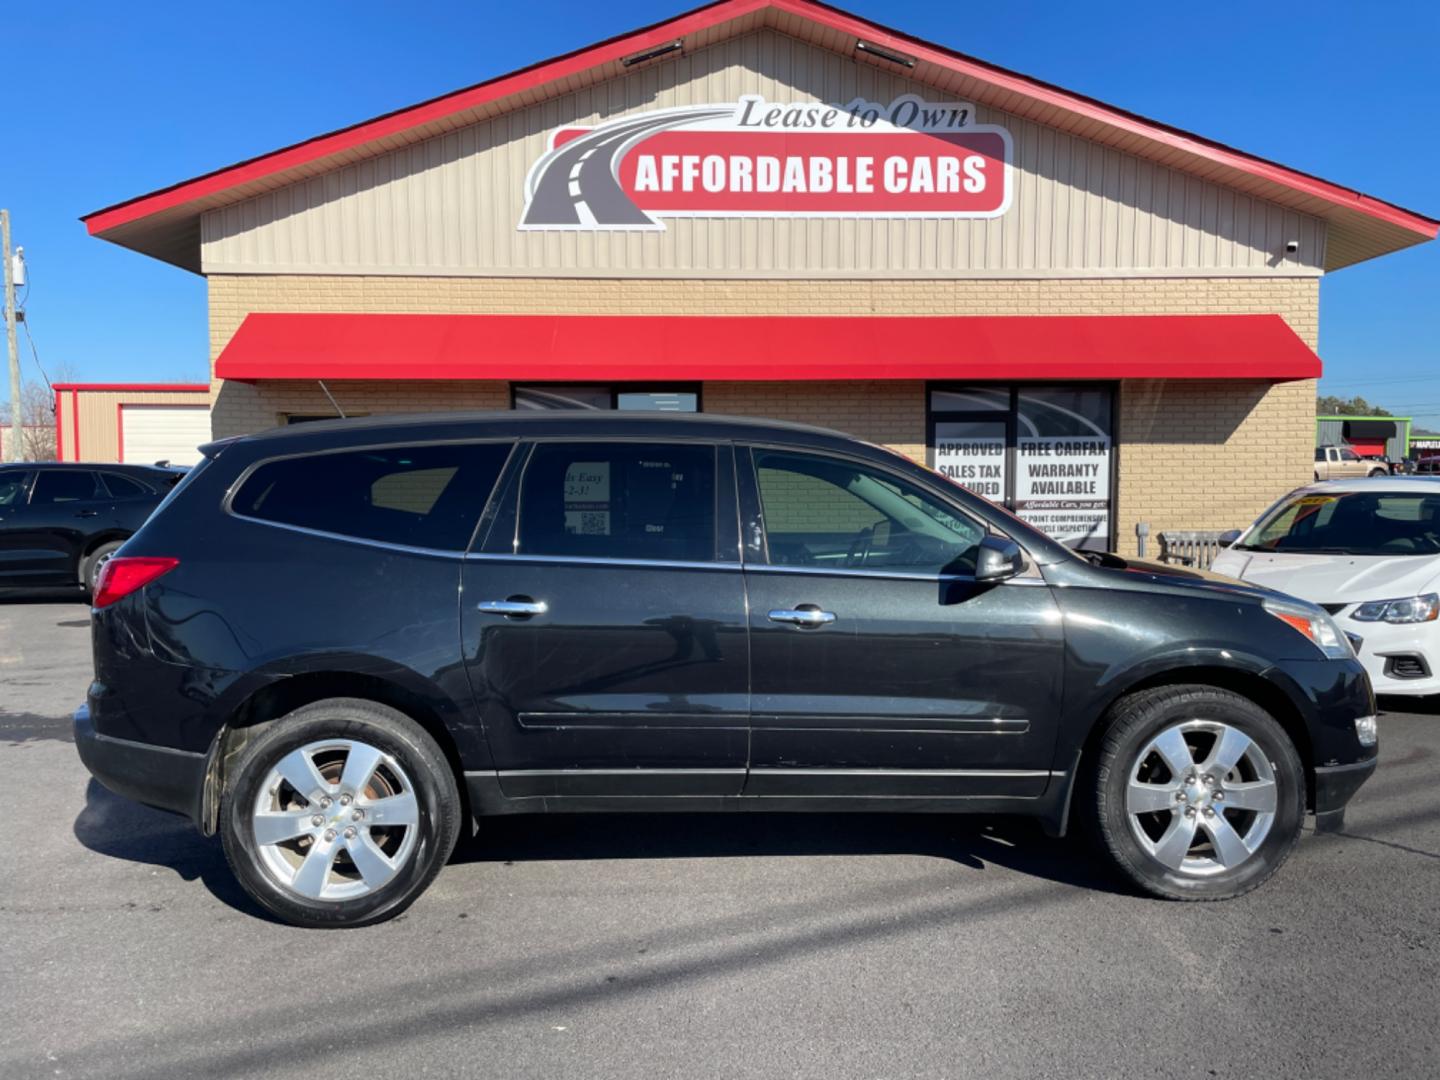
<point x="339" y="645"/>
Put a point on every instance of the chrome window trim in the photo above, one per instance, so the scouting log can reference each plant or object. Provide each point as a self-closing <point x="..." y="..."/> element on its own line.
<point x="679" y="564"/>
<point x="894" y="575"/>
<point x="406" y="549"/>
<point x="598" y="560"/>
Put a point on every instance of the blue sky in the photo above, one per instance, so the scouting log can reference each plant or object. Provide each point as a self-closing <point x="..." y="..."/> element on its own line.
<point x="106" y="101"/>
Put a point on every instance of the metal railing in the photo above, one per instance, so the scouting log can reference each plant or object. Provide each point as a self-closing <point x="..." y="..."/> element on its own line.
<point x="1191" y="547"/>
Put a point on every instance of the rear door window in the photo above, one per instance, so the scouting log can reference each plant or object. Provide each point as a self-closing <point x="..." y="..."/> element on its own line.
<point x="427" y="496"/>
<point x="621" y="500"/>
<point x="64" y="486"/>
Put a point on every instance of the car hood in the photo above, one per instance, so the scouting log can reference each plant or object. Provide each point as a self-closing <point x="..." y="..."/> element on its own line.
<point x="1334" y="579"/>
<point x="1184" y="579"/>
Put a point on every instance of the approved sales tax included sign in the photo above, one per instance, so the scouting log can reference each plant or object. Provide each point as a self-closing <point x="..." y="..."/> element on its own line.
<point x="753" y="158"/>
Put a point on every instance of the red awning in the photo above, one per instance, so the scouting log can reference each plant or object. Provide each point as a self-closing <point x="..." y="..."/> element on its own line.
<point x="563" y="348"/>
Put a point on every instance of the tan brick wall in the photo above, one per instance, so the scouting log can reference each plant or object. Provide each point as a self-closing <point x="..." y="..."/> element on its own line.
<point x="1207" y="454"/>
<point x="1203" y="454"/>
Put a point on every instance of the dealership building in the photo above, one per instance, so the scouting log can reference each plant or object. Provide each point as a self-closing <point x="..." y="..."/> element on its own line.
<point x="774" y="208"/>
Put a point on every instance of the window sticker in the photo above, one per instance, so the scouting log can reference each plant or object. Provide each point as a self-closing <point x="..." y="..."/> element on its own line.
<point x="587" y="498"/>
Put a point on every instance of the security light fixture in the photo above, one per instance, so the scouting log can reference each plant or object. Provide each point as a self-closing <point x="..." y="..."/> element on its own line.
<point x="1292" y="246"/>
<point x="653" y="54"/>
<point x="884" y="54"/>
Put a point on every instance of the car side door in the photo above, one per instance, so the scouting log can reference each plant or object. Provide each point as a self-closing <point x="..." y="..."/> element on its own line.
<point x="1351" y="463"/>
<point x="15" y="546"/>
<point x="131" y="500"/>
<point x="64" y="508"/>
<point x="603" y="622"/>
<point x="880" y="665"/>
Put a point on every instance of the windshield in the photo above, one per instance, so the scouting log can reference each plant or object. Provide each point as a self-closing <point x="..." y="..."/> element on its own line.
<point x="1352" y="523"/>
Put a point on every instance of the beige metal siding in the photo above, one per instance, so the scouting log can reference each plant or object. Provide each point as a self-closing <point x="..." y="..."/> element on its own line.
<point x="99" y="416"/>
<point x="450" y="205"/>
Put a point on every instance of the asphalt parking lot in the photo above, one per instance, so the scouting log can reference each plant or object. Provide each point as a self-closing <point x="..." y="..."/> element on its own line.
<point x="752" y="945"/>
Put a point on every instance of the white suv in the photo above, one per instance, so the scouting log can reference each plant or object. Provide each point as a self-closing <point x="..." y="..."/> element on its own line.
<point x="1368" y="551"/>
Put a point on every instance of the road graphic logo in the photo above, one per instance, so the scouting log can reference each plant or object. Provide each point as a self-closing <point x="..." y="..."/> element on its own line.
<point x="753" y="158"/>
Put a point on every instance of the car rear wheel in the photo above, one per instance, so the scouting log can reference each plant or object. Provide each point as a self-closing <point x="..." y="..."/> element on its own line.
<point x="339" y="814"/>
<point x="1199" y="794"/>
<point x="90" y="570"/>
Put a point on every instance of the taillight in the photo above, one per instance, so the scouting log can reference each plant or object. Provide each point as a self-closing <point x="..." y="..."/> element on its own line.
<point x="124" y="574"/>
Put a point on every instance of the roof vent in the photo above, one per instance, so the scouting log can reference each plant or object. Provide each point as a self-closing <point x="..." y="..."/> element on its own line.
<point x="884" y="54"/>
<point x="653" y="54"/>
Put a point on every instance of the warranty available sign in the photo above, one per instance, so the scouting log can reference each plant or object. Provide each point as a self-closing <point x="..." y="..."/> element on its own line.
<point x="753" y="158"/>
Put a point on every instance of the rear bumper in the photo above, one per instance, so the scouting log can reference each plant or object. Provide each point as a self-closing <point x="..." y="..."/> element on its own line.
<point x="157" y="776"/>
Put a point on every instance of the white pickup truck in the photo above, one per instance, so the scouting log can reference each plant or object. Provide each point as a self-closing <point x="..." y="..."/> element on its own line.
<point x="1340" y="462"/>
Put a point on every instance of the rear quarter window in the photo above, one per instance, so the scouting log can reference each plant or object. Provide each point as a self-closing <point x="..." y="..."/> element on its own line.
<point x="123" y="487"/>
<point x="427" y="496"/>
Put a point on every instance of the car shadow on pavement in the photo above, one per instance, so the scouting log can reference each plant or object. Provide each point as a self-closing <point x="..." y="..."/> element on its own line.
<point x="121" y="829"/>
<point x="976" y="842"/>
<point x="114" y="826"/>
<point x="1420" y="706"/>
<point x="76" y="596"/>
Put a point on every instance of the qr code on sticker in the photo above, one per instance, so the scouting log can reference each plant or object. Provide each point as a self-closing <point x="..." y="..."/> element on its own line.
<point x="594" y="523"/>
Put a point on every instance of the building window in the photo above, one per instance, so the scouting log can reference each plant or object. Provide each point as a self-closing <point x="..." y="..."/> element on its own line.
<point x="1043" y="451"/>
<point x="602" y="397"/>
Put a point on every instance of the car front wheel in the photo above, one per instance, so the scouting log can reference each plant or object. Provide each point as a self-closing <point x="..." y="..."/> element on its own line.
<point x="339" y="814"/>
<point x="1199" y="793"/>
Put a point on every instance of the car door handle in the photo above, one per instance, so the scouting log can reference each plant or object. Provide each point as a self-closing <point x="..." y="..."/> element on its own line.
<point x="804" y="616"/>
<point x="516" y="607"/>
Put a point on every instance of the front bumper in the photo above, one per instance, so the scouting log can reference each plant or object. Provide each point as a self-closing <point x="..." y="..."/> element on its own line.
<point x="1335" y="786"/>
<point x="1379" y="642"/>
<point x="157" y="776"/>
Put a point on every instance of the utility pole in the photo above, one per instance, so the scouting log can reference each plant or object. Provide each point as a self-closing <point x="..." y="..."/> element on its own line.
<point x="17" y="430"/>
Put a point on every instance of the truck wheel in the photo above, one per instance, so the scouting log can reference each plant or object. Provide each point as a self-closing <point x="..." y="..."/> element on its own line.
<point x="1199" y="794"/>
<point x="339" y="814"/>
<point x="1379" y="472"/>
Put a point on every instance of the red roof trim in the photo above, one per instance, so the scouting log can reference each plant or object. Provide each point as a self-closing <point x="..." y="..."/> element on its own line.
<point x="700" y="18"/>
<point x="139" y="387"/>
<point x="554" y="348"/>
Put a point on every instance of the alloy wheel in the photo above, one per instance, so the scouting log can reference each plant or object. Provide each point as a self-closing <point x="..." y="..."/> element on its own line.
<point x="1201" y="797"/>
<point x="335" y="820"/>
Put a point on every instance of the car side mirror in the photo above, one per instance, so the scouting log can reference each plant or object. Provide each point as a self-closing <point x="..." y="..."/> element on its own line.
<point x="998" y="559"/>
<point x="1228" y="538"/>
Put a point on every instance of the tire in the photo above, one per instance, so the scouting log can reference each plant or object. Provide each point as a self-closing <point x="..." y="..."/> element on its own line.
<point x="1379" y="472"/>
<point x="1261" y="801"/>
<point x="90" y="566"/>
<point x="269" y="826"/>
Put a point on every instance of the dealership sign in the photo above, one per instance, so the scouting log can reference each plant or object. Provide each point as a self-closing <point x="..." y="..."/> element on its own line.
<point x="753" y="158"/>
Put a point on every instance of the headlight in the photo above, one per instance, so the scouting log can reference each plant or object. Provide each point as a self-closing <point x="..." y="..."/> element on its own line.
<point x="1410" y="610"/>
<point x="1315" y="625"/>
